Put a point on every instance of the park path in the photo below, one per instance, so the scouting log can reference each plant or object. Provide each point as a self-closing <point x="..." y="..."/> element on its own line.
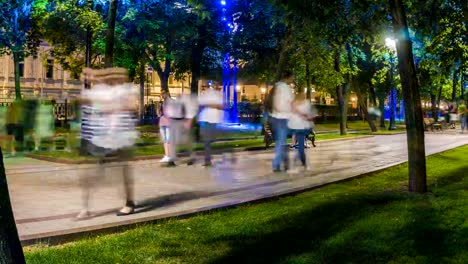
<point x="46" y="196"/>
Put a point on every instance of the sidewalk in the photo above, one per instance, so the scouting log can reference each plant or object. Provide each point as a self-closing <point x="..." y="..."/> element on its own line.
<point x="46" y="196"/>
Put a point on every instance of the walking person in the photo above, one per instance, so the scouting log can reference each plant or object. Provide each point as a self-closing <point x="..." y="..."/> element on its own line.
<point x="181" y="113"/>
<point x="164" y="122"/>
<point x="211" y="115"/>
<point x="44" y="126"/>
<point x="463" y="112"/>
<point x="453" y="116"/>
<point x="280" y="113"/>
<point x="110" y="129"/>
<point x="300" y="122"/>
<point x="7" y="140"/>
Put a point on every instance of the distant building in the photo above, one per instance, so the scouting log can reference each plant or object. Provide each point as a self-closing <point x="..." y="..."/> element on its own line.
<point x="42" y="77"/>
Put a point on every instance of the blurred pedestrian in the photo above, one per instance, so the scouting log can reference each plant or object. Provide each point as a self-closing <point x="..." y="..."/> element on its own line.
<point x="44" y="125"/>
<point x="463" y="113"/>
<point x="181" y="113"/>
<point x="210" y="117"/>
<point x="301" y="122"/>
<point x="164" y="123"/>
<point x="453" y="116"/>
<point x="15" y="124"/>
<point x="7" y="140"/>
<point x="110" y="128"/>
<point x="281" y="111"/>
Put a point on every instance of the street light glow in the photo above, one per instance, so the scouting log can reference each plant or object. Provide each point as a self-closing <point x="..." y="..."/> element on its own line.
<point x="223" y="2"/>
<point x="390" y="43"/>
<point x="263" y="89"/>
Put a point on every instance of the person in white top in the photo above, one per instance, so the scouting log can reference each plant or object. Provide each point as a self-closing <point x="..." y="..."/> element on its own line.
<point x="301" y="122"/>
<point x="280" y="113"/>
<point x="181" y="113"/>
<point x="211" y="114"/>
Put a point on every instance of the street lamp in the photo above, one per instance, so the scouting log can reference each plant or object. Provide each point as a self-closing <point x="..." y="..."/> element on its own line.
<point x="391" y="45"/>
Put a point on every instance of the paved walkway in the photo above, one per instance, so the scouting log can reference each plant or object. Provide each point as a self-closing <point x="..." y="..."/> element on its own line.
<point x="46" y="196"/>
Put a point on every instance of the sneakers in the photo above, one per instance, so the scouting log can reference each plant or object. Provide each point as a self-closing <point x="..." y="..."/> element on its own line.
<point x="83" y="215"/>
<point x="165" y="159"/>
<point x="127" y="210"/>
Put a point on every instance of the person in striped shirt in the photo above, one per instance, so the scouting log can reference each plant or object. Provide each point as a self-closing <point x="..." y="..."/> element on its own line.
<point x="108" y="128"/>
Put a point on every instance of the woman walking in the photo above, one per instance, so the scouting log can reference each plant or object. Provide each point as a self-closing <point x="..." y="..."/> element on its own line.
<point x="164" y="123"/>
<point x="300" y="122"/>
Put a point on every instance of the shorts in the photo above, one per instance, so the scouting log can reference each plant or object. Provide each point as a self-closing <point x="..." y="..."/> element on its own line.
<point x="164" y="132"/>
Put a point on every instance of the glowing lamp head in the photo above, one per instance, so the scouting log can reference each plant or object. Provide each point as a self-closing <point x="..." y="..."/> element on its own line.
<point x="390" y="43"/>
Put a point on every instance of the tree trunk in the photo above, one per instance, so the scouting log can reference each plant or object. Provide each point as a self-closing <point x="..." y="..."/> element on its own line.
<point x="10" y="245"/>
<point x="454" y="85"/>
<point x="141" y="109"/>
<point x="382" y="111"/>
<point x="363" y="106"/>
<point x="412" y="100"/>
<point x="16" y="60"/>
<point x="434" y="107"/>
<point x="373" y="96"/>
<point x="197" y="56"/>
<point x="164" y="81"/>
<point x="283" y="56"/>
<point x="309" y="92"/>
<point x="109" y="53"/>
<point x="89" y="40"/>
<point x="196" y="72"/>
<point x="462" y="86"/>
<point x="163" y="74"/>
<point x="392" y="100"/>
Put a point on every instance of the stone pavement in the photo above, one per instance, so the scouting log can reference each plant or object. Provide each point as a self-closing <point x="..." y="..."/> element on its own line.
<point x="46" y="196"/>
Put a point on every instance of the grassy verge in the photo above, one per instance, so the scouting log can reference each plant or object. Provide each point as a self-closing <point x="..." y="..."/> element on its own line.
<point x="158" y="149"/>
<point x="368" y="220"/>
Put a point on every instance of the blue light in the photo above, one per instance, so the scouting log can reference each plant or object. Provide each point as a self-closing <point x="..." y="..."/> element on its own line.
<point x="223" y="2"/>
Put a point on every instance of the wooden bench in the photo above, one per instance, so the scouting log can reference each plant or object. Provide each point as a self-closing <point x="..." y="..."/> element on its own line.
<point x="430" y="123"/>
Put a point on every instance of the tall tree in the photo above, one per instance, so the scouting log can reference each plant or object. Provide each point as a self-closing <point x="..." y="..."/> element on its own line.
<point x="11" y="251"/>
<point x="70" y="27"/>
<point x="411" y="96"/>
<point x="109" y="52"/>
<point x="18" y="36"/>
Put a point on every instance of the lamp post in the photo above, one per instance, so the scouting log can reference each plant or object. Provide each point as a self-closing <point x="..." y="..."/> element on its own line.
<point x="391" y="45"/>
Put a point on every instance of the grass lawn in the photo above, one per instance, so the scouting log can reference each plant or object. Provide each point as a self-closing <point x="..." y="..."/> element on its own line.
<point x="368" y="220"/>
<point x="158" y="149"/>
<point x="352" y="125"/>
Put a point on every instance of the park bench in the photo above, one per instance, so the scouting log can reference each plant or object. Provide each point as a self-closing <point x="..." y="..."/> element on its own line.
<point x="430" y="123"/>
